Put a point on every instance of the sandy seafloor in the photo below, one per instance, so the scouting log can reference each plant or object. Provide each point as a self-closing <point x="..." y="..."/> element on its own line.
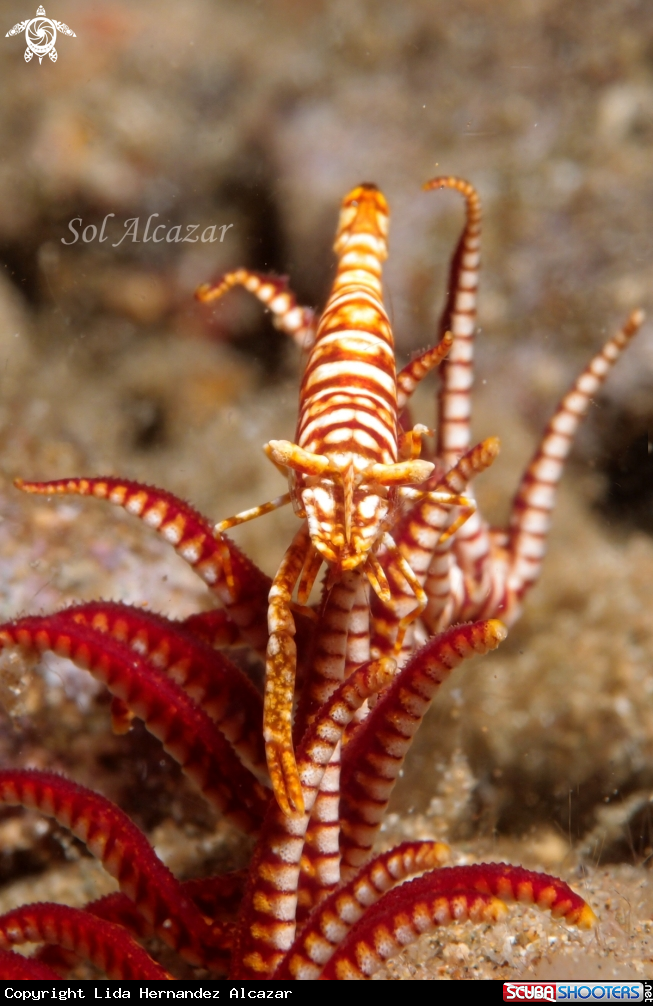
<point x="263" y="116"/>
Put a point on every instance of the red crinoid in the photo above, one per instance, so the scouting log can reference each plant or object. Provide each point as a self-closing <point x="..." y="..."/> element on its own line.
<point x="303" y="912"/>
<point x="315" y="902"/>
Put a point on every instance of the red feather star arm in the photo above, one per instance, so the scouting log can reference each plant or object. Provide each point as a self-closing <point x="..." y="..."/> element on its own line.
<point x="213" y="681"/>
<point x="530" y="519"/>
<point x="500" y="566"/>
<point x="185" y="731"/>
<point x="326" y="670"/>
<point x="106" y="945"/>
<point x="118" y="908"/>
<point x="214" y="627"/>
<point x="443" y="896"/>
<point x="514" y="883"/>
<point x="241" y="586"/>
<point x="410" y="376"/>
<point x="267" y="920"/>
<point x="419" y="536"/>
<point x="373" y="757"/>
<point x="298" y="322"/>
<point x="374" y="941"/>
<point x="320" y="862"/>
<point x="319" y="867"/>
<point x="123" y="850"/>
<point x="217" y="898"/>
<point x="459" y="318"/>
<point x="328" y="925"/>
<point x="472" y="547"/>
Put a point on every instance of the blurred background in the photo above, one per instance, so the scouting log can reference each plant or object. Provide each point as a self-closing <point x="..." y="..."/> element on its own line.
<point x="258" y="117"/>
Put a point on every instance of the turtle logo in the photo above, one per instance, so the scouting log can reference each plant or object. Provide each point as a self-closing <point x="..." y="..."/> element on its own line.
<point x="40" y="34"/>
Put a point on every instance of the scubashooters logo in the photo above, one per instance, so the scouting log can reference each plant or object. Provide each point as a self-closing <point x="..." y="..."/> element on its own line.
<point x="146" y="991"/>
<point x="40" y="34"/>
<point x="575" y="991"/>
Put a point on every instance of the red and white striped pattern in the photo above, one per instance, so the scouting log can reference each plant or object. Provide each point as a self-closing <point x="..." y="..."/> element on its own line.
<point x="348" y="395"/>
<point x="124" y="852"/>
<point x="297" y="322"/>
<point x="440" y="897"/>
<point x="459" y="318"/>
<point x="268" y="915"/>
<point x="108" y="946"/>
<point x="327" y="927"/>
<point x="530" y="518"/>
<point x="373" y="756"/>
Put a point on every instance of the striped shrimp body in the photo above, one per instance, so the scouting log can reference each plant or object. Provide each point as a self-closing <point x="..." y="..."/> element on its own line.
<point x="350" y="468"/>
<point x="345" y="461"/>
